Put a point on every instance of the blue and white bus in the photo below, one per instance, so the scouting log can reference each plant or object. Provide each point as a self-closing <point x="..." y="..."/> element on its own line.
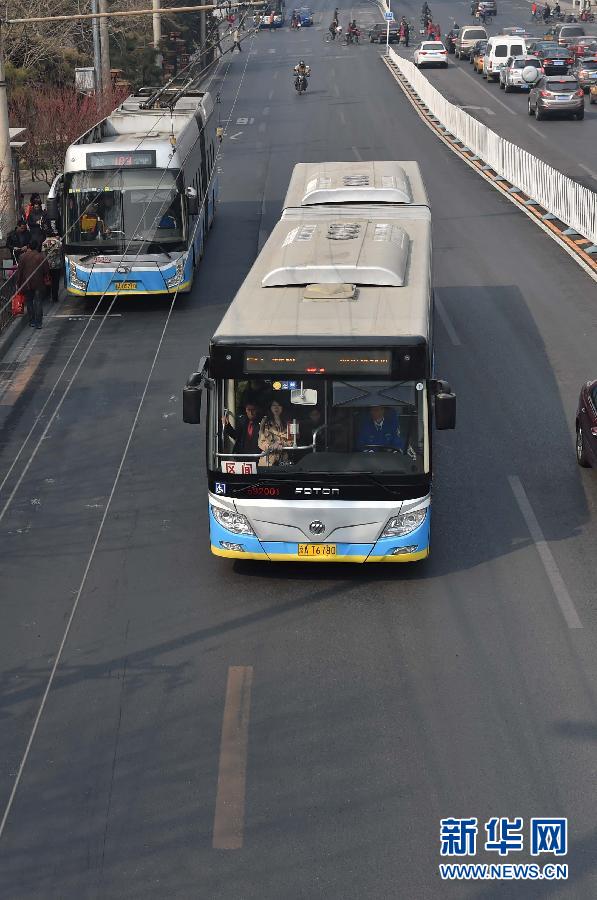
<point x="320" y="385"/>
<point x="138" y="195"/>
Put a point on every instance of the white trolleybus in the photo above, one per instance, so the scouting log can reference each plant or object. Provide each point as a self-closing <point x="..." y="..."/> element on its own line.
<point x="138" y="194"/>
<point x="320" y="387"/>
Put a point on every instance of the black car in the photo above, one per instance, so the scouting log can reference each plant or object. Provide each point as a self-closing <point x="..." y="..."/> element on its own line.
<point x="450" y="39"/>
<point x="586" y="425"/>
<point x="555" y="60"/>
<point x="378" y="33"/>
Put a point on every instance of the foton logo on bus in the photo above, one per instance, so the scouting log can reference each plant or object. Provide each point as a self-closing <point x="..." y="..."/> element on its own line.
<point x="317" y="492"/>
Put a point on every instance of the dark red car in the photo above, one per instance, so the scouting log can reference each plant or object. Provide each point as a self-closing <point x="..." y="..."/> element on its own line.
<point x="586" y="425"/>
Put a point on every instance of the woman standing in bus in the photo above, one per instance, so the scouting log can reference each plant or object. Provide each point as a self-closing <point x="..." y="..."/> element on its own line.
<point x="274" y="436"/>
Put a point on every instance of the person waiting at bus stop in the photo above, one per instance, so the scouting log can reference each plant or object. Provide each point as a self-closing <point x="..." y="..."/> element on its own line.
<point x="379" y="428"/>
<point x="33" y="278"/>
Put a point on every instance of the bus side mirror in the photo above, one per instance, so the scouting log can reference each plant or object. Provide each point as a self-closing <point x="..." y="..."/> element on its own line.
<point x="445" y="410"/>
<point x="191" y="399"/>
<point x="192" y="201"/>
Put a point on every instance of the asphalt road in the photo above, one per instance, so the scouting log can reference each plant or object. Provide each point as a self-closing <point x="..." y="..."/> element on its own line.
<point x="381" y="701"/>
<point x="568" y="146"/>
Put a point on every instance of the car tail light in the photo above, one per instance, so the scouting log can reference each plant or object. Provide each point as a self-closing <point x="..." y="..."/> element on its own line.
<point x="594" y="432"/>
<point x="546" y="93"/>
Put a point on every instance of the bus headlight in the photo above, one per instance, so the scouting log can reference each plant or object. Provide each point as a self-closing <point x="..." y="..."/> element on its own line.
<point x="231" y="521"/>
<point x="404" y="524"/>
<point x="74" y="278"/>
<point x="178" y="276"/>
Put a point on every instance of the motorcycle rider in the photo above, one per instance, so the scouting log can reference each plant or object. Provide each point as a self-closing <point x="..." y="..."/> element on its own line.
<point x="301" y="71"/>
<point x="556" y="10"/>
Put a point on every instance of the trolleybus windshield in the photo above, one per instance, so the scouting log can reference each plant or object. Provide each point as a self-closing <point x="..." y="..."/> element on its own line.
<point x="287" y="424"/>
<point x="136" y="209"/>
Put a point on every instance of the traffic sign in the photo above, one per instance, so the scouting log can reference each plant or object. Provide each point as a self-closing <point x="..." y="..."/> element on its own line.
<point x="389" y="16"/>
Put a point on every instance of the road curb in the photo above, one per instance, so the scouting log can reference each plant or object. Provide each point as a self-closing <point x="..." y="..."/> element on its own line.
<point x="569" y="240"/>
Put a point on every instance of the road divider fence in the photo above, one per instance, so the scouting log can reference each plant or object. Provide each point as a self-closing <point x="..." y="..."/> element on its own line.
<point x="563" y="198"/>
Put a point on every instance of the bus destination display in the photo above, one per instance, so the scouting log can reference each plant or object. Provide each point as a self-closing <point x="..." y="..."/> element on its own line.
<point x="127" y="159"/>
<point x="318" y="362"/>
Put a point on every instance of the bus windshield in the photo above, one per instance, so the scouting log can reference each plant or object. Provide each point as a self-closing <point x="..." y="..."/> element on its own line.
<point x="282" y="426"/>
<point x="135" y="210"/>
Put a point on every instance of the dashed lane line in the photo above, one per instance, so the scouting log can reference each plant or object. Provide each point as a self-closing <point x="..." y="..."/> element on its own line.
<point x="446" y="320"/>
<point x="545" y="555"/>
<point x="229" y="818"/>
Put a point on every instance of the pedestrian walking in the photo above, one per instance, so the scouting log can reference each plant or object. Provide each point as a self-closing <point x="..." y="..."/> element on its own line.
<point x="18" y="240"/>
<point x="406" y="34"/>
<point x="52" y="249"/>
<point x="271" y="20"/>
<point x="33" y="199"/>
<point x="33" y="278"/>
<point x="236" y="41"/>
<point x="38" y="222"/>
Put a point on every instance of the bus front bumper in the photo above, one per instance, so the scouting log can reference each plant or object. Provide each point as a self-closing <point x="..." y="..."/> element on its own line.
<point x="408" y="548"/>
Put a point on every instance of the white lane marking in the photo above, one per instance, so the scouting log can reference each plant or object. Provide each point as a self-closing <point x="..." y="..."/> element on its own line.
<point x="357" y="154"/>
<point x="266" y="110"/>
<point x="272" y="50"/>
<point x="271" y="94"/>
<point x="234" y="137"/>
<point x="549" y="564"/>
<point x="536" y="130"/>
<point x="77" y="315"/>
<point x="336" y="90"/>
<point x="91" y="557"/>
<point x="589" y="171"/>
<point x="447" y="322"/>
<point x="341" y="116"/>
<point x="488" y="92"/>
<point x="484" y="109"/>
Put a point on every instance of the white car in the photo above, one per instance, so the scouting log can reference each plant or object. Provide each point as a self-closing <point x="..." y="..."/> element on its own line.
<point x="431" y="53"/>
<point x="511" y="74"/>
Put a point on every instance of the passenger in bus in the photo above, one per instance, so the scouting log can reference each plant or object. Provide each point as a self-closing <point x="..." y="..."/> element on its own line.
<point x="274" y="435"/>
<point x="309" y="426"/>
<point x="91" y="224"/>
<point x="379" y="428"/>
<point x="246" y="433"/>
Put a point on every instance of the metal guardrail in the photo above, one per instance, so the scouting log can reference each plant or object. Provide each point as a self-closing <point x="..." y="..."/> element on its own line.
<point x="571" y="203"/>
<point x="7" y="289"/>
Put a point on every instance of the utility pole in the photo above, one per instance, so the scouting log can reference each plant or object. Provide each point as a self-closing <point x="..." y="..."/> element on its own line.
<point x="105" y="47"/>
<point x="97" y="63"/>
<point x="203" y="36"/>
<point x="7" y="194"/>
<point x="157" y="32"/>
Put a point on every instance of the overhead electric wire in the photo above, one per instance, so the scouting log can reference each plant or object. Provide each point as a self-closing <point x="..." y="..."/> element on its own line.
<point x="91" y="556"/>
<point x="102" y="320"/>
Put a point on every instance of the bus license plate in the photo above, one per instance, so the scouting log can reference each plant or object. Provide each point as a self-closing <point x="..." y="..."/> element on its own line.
<point x="126" y="285"/>
<point x="316" y="549"/>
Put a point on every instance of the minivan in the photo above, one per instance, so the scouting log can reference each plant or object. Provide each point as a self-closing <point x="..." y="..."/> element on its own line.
<point x="563" y="34"/>
<point x="467" y="38"/>
<point x="498" y="49"/>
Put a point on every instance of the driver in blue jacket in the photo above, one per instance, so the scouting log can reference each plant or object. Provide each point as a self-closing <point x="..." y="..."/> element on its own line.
<point x="380" y="428"/>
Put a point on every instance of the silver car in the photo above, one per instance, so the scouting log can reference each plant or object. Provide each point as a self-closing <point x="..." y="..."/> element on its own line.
<point x="511" y="75"/>
<point x="585" y="71"/>
<point x="557" y="94"/>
